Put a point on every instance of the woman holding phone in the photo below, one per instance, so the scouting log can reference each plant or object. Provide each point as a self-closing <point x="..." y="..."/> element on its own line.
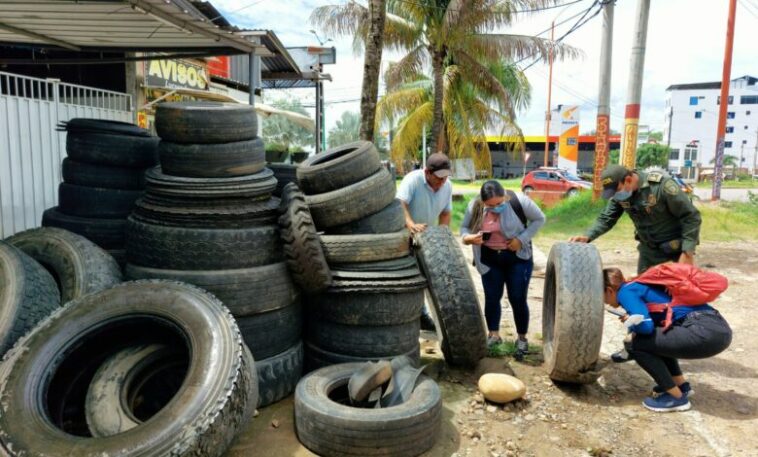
<point x="499" y="226"/>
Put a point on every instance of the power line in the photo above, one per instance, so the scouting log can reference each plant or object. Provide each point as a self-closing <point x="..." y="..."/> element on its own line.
<point x="535" y="10"/>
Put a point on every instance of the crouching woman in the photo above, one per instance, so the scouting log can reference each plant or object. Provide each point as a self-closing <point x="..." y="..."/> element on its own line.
<point x="695" y="332"/>
<point x="500" y="227"/>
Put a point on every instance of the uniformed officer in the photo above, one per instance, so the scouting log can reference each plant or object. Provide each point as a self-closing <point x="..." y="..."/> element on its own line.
<point x="666" y="223"/>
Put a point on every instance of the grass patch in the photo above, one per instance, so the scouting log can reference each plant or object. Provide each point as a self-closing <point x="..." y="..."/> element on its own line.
<point x="459" y="210"/>
<point x="730" y="184"/>
<point x="508" y="349"/>
<point x="474" y="186"/>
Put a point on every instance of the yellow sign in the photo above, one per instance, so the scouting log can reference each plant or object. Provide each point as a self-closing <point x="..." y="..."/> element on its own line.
<point x="142" y="119"/>
<point x="176" y="74"/>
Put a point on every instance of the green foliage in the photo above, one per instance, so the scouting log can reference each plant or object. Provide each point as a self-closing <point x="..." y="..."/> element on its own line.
<point x="346" y="130"/>
<point x="657" y="136"/>
<point x="279" y="129"/>
<point x="276" y="147"/>
<point x="614" y="156"/>
<point x="729" y="160"/>
<point x="653" y="155"/>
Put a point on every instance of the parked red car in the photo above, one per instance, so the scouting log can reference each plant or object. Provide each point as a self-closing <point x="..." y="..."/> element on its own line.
<point x="553" y="180"/>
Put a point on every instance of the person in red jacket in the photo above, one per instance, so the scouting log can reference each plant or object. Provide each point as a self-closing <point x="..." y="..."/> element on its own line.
<point x="696" y="332"/>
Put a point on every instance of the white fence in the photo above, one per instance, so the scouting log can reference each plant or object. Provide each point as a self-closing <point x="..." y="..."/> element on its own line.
<point x="31" y="149"/>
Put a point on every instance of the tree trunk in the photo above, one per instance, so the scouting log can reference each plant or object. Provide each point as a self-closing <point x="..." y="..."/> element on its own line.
<point x="372" y="64"/>
<point x="436" y="143"/>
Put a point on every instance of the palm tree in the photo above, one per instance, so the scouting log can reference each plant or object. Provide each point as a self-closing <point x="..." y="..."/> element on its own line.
<point x="372" y="65"/>
<point x="444" y="33"/>
<point x="468" y="113"/>
<point x="346" y="130"/>
<point x="729" y="160"/>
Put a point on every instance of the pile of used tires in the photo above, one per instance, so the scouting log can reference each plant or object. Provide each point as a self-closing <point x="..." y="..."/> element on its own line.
<point x="208" y="218"/>
<point x="103" y="175"/>
<point x="371" y="290"/>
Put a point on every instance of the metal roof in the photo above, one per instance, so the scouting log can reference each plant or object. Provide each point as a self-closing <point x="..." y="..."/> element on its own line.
<point x="710" y="85"/>
<point x="128" y="25"/>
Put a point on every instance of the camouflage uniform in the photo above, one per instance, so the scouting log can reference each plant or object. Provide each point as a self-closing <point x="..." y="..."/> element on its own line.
<point x="666" y="222"/>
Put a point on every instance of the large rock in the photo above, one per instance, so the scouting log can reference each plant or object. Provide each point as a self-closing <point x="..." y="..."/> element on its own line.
<point x="501" y="388"/>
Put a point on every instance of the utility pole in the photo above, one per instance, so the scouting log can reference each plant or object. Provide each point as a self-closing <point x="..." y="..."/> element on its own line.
<point x="725" y="79"/>
<point x="548" y="115"/>
<point x="604" y="99"/>
<point x="634" y="90"/>
<point x="319" y="116"/>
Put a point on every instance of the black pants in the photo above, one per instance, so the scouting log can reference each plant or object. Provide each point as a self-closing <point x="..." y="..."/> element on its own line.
<point x="507" y="272"/>
<point x="699" y="335"/>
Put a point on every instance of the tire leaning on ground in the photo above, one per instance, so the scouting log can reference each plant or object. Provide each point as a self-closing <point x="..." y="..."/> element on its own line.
<point x="205" y="122"/>
<point x="329" y="428"/>
<point x="338" y="167"/>
<point x="91" y="175"/>
<point x="216" y="400"/>
<point x="106" y="233"/>
<point x="389" y="219"/>
<point x="302" y="246"/>
<point x="572" y="312"/>
<point x="96" y="201"/>
<point x="456" y="304"/>
<point x="112" y="149"/>
<point x="28" y="294"/>
<point x="77" y="264"/>
<point x="352" y="202"/>
<point x="220" y="160"/>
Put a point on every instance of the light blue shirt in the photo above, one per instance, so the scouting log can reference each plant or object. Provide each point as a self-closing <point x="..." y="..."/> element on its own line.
<point x="510" y="226"/>
<point x="424" y="204"/>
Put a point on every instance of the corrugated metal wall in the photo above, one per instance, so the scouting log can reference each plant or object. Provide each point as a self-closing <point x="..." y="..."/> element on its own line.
<point x="31" y="150"/>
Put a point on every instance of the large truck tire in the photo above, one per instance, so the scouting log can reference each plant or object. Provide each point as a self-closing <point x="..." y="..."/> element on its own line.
<point x="338" y="167"/>
<point x="106" y="233"/>
<point x="572" y="313"/>
<point x="257" y="186"/>
<point x="342" y="249"/>
<point x="78" y="266"/>
<point x="205" y="122"/>
<point x="330" y="428"/>
<point x="271" y="333"/>
<point x="220" y="160"/>
<point x="366" y="309"/>
<point x="82" y="201"/>
<point x="109" y="177"/>
<point x="216" y="400"/>
<point x="28" y="294"/>
<point x="387" y="220"/>
<point x="456" y="304"/>
<point x="278" y="375"/>
<point x="113" y="150"/>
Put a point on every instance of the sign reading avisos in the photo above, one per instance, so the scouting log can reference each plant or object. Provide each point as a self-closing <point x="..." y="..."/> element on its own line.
<point x="176" y="74"/>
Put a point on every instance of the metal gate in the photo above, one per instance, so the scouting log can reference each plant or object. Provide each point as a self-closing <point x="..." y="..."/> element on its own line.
<point x="31" y="150"/>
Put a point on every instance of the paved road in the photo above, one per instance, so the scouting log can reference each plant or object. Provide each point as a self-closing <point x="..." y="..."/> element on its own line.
<point x="739" y="195"/>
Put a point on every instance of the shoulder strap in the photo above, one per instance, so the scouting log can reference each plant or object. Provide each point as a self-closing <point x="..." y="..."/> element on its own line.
<point x="516" y="205"/>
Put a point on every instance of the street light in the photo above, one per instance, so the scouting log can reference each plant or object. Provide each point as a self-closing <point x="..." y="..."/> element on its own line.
<point x="321" y="43"/>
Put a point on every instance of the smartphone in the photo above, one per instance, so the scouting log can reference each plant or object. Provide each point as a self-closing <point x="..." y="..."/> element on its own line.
<point x="616" y="312"/>
<point x="486" y="235"/>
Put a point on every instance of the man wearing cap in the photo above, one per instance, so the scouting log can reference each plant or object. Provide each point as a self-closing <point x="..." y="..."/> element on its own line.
<point x="427" y="195"/>
<point x="666" y="223"/>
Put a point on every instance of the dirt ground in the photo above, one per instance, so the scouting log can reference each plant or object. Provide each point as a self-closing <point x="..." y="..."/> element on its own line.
<point x="602" y="419"/>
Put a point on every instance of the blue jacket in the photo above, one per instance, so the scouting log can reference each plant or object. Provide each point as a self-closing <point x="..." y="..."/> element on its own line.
<point x="634" y="297"/>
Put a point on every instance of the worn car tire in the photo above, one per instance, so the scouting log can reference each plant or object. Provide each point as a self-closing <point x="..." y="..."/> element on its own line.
<point x="28" y="294"/>
<point x="572" y="312"/>
<point x="367" y="309"/>
<point x="456" y="304"/>
<point x="216" y="400"/>
<point x="216" y="214"/>
<point x="271" y="333"/>
<point x="91" y="175"/>
<point x="302" y="246"/>
<point x="284" y="173"/>
<point x="103" y="126"/>
<point x="278" y="375"/>
<point x="220" y="160"/>
<point x="112" y="149"/>
<point x="389" y="219"/>
<point x="245" y="291"/>
<point x="316" y="357"/>
<point x="329" y="428"/>
<point x="180" y="248"/>
<point x="78" y="265"/>
<point x="338" y="167"/>
<point x="364" y="341"/>
<point x="341" y="249"/>
<point x="96" y="201"/>
<point x="205" y="122"/>
<point x="106" y="233"/>
<point x="352" y="202"/>
<point x="257" y="186"/>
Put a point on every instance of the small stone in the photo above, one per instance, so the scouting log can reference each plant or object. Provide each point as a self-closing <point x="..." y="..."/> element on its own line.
<point x="510" y="445"/>
<point x="529" y="417"/>
<point x="739" y="350"/>
<point x="256" y="413"/>
<point x="510" y="454"/>
<point x="564" y="426"/>
<point x="554" y="438"/>
<point x="491" y="409"/>
<point x="479" y="412"/>
<point x="477" y="435"/>
<point x="501" y="388"/>
<point x="275" y="423"/>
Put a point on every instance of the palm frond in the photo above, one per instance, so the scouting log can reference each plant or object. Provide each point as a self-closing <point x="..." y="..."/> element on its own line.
<point x="407" y="140"/>
<point x="487" y="84"/>
<point x="508" y="47"/>
<point x="408" y="68"/>
<point x="340" y="20"/>
<point x="401" y="102"/>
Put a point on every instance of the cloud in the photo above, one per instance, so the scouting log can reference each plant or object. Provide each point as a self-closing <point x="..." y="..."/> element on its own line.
<point x="685" y="43"/>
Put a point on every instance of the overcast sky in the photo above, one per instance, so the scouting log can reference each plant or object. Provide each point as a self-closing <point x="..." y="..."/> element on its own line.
<point x="685" y="43"/>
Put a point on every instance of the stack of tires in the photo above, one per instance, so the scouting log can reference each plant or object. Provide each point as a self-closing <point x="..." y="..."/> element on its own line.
<point x="208" y="218"/>
<point x="103" y="175"/>
<point x="370" y="309"/>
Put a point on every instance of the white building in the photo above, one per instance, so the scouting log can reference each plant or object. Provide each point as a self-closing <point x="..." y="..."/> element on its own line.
<point x="692" y="117"/>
